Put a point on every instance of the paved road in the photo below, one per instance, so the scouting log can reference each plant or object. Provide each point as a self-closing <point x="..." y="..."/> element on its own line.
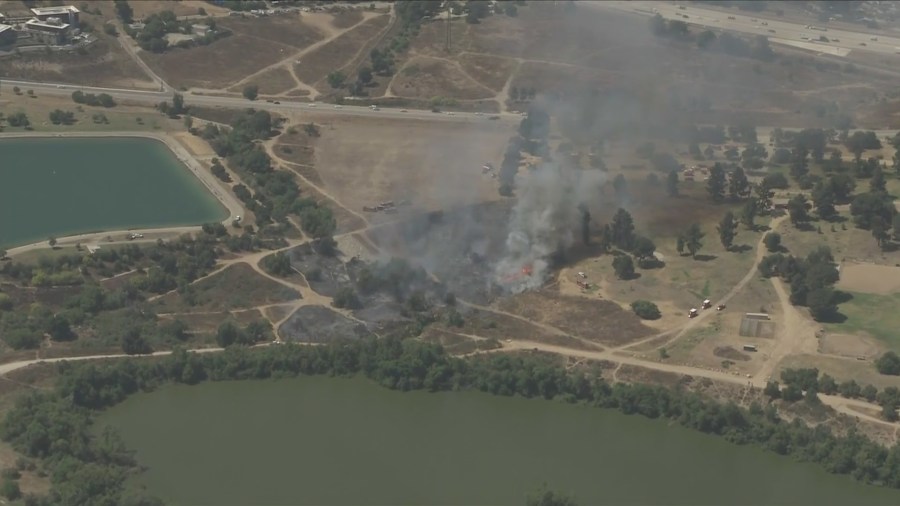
<point x="778" y="30"/>
<point x="155" y="97"/>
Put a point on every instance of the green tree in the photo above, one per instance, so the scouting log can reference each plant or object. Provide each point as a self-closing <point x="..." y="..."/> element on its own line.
<point x="59" y="329"/>
<point x="877" y="184"/>
<point x="672" y="183"/>
<point x="738" y="186"/>
<point x="10" y="489"/>
<point x="772" y="390"/>
<point x="622" y="229"/>
<point x="346" y="298"/>
<point x="748" y="214"/>
<point x="821" y="303"/>
<point x="643" y="247"/>
<point x="772" y="240"/>
<point x="797" y="209"/>
<point x="52" y="242"/>
<point x="888" y="363"/>
<point x="624" y="266"/>
<point x="693" y="239"/>
<point x="727" y="229"/>
<point x="364" y="75"/>
<point x="823" y="199"/>
<point x="133" y="343"/>
<point x="646" y="309"/>
<point x="251" y="92"/>
<point x="715" y="185"/>
<point x="278" y="264"/>
<point x="336" y="79"/>
<point x="827" y="385"/>
<point x="228" y="334"/>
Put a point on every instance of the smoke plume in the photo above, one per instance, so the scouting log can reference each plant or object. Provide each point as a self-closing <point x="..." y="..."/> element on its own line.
<point x="544" y="221"/>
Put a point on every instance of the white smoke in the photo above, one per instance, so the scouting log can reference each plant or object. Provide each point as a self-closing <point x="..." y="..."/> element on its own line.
<point x="545" y="219"/>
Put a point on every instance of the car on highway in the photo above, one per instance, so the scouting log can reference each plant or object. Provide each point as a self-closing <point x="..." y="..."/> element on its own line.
<point x="402" y="110"/>
<point x="479" y="114"/>
<point x="338" y="107"/>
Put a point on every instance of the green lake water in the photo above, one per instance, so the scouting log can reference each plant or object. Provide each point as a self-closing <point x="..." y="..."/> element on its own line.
<point x="66" y="186"/>
<point x="330" y="441"/>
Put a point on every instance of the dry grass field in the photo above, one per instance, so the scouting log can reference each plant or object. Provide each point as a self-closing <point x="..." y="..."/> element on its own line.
<point x="433" y="164"/>
<point x="869" y="278"/>
<point x="490" y="71"/>
<point x="271" y="82"/>
<point x="337" y="54"/>
<point x="254" y="44"/>
<point x="217" y="293"/>
<point x="425" y="78"/>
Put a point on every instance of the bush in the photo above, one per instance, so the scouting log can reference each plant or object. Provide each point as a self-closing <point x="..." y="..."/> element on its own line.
<point x="346" y="298"/>
<point x="889" y="363"/>
<point x="645" y="309"/>
<point x="773" y="241"/>
<point x="10" y="490"/>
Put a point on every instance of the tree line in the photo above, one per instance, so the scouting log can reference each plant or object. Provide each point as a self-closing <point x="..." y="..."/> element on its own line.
<point x="56" y="427"/>
<point x="806" y="383"/>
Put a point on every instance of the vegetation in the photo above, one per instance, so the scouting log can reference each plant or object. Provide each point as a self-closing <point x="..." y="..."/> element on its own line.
<point x="645" y="309"/>
<point x="812" y="280"/>
<point x="60" y="117"/>
<point x="889" y="363"/>
<point x="96" y="465"/>
<point x="251" y="92"/>
<point x="99" y="100"/>
<point x="624" y="266"/>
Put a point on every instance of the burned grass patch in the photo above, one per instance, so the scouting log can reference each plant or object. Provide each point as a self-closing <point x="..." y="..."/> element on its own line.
<point x="237" y="287"/>
<point x="317" y="324"/>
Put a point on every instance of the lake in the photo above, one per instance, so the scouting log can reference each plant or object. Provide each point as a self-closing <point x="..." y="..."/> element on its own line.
<point x="337" y="441"/>
<point x="66" y="186"/>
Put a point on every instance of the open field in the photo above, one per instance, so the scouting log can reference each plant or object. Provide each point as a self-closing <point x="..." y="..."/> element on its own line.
<point x="869" y="278"/>
<point x="338" y="53"/>
<point x="599" y="321"/>
<point x="490" y="71"/>
<point x="255" y="43"/>
<point x="105" y="63"/>
<point x="271" y="82"/>
<point x="425" y="77"/>
<point x="871" y="314"/>
<point x="219" y="293"/>
<point x="204" y="325"/>
<point x="842" y="369"/>
<point x="122" y="118"/>
<point x="432" y="165"/>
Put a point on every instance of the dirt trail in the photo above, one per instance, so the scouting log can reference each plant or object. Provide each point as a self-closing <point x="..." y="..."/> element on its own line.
<point x="504" y="92"/>
<point x="289" y="61"/>
<point x="797" y="335"/>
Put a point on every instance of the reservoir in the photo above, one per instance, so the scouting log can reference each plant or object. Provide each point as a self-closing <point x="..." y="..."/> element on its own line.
<point x="337" y="441"/>
<point x="66" y="186"/>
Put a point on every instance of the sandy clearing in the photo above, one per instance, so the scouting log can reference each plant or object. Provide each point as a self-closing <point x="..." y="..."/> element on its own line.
<point x="869" y="278"/>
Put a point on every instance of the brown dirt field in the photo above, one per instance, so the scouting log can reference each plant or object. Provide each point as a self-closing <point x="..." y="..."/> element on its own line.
<point x="869" y="278"/>
<point x="336" y="54"/>
<point x="144" y="8"/>
<point x="214" y="294"/>
<point x="301" y="150"/>
<point x="851" y="346"/>
<point x="346" y="19"/>
<point x="425" y="78"/>
<point x="272" y="82"/>
<point x="595" y="320"/>
<point x="491" y="71"/>
<point x="215" y="114"/>
<point x="431" y="163"/>
<point x="502" y="327"/>
<point x="289" y="30"/>
<point x="106" y="64"/>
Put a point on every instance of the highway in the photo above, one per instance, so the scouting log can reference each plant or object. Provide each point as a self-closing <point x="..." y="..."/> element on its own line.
<point x="285" y="106"/>
<point x="841" y="42"/>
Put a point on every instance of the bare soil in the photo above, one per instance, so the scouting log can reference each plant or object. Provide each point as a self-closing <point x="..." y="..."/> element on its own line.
<point x="851" y="346"/>
<point x="346" y="18"/>
<point x="869" y="278"/>
<point x="272" y="82"/>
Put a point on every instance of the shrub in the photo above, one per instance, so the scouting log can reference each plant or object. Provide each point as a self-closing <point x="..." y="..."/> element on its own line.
<point x="645" y="309"/>
<point x="889" y="363"/>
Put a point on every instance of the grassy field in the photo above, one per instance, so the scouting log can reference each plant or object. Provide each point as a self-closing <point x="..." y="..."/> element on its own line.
<point x="875" y="315"/>
<point x="218" y="292"/>
<point x="121" y="118"/>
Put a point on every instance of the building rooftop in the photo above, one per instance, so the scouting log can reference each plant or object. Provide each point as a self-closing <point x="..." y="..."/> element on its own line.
<point x="4" y="28"/>
<point x="54" y="11"/>
<point x="34" y="23"/>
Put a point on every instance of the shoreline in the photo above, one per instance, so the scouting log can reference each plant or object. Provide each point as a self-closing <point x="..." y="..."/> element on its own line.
<point x="226" y="200"/>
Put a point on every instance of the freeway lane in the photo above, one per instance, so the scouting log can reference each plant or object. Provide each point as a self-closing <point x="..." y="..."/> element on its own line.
<point x="776" y="29"/>
<point x="155" y="97"/>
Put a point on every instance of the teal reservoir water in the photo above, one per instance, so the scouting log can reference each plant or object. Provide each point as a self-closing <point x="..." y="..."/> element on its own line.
<point x="66" y="186"/>
<point x="329" y="441"/>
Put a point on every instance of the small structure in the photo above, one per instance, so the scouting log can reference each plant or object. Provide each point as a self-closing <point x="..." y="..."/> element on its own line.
<point x="693" y="313"/>
<point x="750" y="347"/>
<point x="7" y="34"/>
<point x="757" y="325"/>
<point x="200" y="30"/>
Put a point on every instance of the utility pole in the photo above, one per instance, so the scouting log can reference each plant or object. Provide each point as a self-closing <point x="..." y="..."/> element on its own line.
<point x="447" y="44"/>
